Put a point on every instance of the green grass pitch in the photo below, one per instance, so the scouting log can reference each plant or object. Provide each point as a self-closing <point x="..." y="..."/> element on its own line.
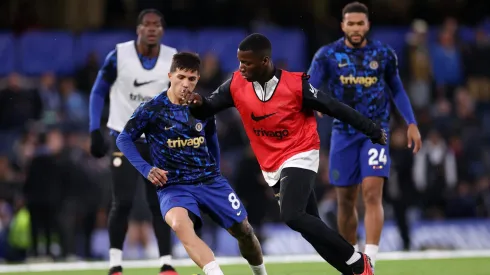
<point x="473" y="266"/>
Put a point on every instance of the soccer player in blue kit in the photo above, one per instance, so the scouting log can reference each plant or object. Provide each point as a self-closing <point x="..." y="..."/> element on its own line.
<point x="357" y="71"/>
<point x="185" y="168"/>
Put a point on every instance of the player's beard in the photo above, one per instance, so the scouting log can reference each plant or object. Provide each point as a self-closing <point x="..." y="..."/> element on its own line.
<point x="151" y="45"/>
<point x="356" y="44"/>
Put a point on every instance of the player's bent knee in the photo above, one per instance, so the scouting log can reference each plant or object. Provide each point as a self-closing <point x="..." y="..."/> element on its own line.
<point x="347" y="196"/>
<point x="293" y="223"/>
<point x="241" y="230"/>
<point x="291" y="218"/>
<point x="372" y="190"/>
<point x="346" y="205"/>
<point x="373" y="198"/>
<point x="178" y="219"/>
<point x="181" y="225"/>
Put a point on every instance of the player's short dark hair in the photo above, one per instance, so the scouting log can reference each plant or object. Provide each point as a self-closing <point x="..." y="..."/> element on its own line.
<point x="148" y="11"/>
<point x="186" y="61"/>
<point x="355" y="7"/>
<point x="257" y="43"/>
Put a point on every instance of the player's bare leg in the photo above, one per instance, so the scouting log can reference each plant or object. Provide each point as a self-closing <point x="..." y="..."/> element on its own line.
<point x="372" y="193"/>
<point x="178" y="219"/>
<point x="249" y="246"/>
<point x="347" y="219"/>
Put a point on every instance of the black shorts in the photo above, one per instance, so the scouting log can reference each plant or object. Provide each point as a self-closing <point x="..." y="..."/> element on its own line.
<point x="129" y="186"/>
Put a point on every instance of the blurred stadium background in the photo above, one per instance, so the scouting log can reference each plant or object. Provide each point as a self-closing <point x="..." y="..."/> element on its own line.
<point x="51" y="50"/>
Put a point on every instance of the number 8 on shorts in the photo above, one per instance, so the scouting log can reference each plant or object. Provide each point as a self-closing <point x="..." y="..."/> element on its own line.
<point x="233" y="199"/>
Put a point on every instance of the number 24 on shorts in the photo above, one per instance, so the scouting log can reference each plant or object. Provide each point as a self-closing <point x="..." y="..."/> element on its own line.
<point x="377" y="156"/>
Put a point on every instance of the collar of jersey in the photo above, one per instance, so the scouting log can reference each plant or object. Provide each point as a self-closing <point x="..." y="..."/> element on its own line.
<point x="169" y="103"/>
<point x="349" y="49"/>
<point x="144" y="57"/>
<point x="274" y="79"/>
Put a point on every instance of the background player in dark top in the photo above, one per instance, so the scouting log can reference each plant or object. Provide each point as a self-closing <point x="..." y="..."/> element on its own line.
<point x="358" y="72"/>
<point x="298" y="205"/>
<point x="185" y="157"/>
<point x="112" y="79"/>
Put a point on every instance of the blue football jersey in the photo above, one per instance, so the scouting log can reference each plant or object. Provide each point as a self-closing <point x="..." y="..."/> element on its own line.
<point x="177" y="140"/>
<point x="357" y="77"/>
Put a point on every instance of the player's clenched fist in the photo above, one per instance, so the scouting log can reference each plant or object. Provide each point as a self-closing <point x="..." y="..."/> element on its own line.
<point x="380" y="137"/>
<point x="98" y="147"/>
<point x="157" y="176"/>
<point x="193" y="99"/>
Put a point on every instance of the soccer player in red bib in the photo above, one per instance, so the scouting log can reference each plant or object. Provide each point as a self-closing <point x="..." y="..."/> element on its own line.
<point x="277" y="110"/>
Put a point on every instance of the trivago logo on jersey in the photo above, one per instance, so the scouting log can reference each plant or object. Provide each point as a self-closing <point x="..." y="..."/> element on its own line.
<point x="140" y="98"/>
<point x="366" y="81"/>
<point x="191" y="142"/>
<point x="279" y="134"/>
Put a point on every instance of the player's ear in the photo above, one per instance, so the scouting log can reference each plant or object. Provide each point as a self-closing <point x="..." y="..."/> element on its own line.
<point x="169" y="75"/>
<point x="266" y="60"/>
<point x="138" y="29"/>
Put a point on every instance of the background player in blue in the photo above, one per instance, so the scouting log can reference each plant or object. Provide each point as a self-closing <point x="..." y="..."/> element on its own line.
<point x="357" y="71"/>
<point x="185" y="156"/>
<point x="133" y="72"/>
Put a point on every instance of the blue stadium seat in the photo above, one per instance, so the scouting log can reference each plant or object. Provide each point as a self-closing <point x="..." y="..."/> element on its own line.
<point x="288" y="45"/>
<point x="7" y="54"/>
<point x="101" y="43"/>
<point x="46" y="51"/>
<point x="223" y="43"/>
<point x="182" y="40"/>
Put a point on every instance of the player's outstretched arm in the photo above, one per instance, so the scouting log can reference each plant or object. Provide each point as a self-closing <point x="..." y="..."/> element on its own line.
<point x="220" y="99"/>
<point x="402" y="101"/>
<point x="105" y="78"/>
<point x="133" y="130"/>
<point x="322" y="102"/>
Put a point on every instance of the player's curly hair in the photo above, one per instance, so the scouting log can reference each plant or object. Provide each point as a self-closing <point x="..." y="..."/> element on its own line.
<point x="355" y="7"/>
<point x="256" y="43"/>
<point x="144" y="12"/>
<point x="186" y="61"/>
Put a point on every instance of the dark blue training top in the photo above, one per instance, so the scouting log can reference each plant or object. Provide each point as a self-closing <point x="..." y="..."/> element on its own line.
<point x="179" y="143"/>
<point x="359" y="78"/>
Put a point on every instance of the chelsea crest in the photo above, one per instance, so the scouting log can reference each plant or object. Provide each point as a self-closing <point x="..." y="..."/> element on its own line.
<point x="198" y="127"/>
<point x="373" y="64"/>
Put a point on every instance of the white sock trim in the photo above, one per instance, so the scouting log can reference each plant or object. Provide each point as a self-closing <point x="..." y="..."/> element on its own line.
<point x="212" y="268"/>
<point x="115" y="257"/>
<point x="372" y="251"/>
<point x="165" y="260"/>
<point x="258" y="269"/>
